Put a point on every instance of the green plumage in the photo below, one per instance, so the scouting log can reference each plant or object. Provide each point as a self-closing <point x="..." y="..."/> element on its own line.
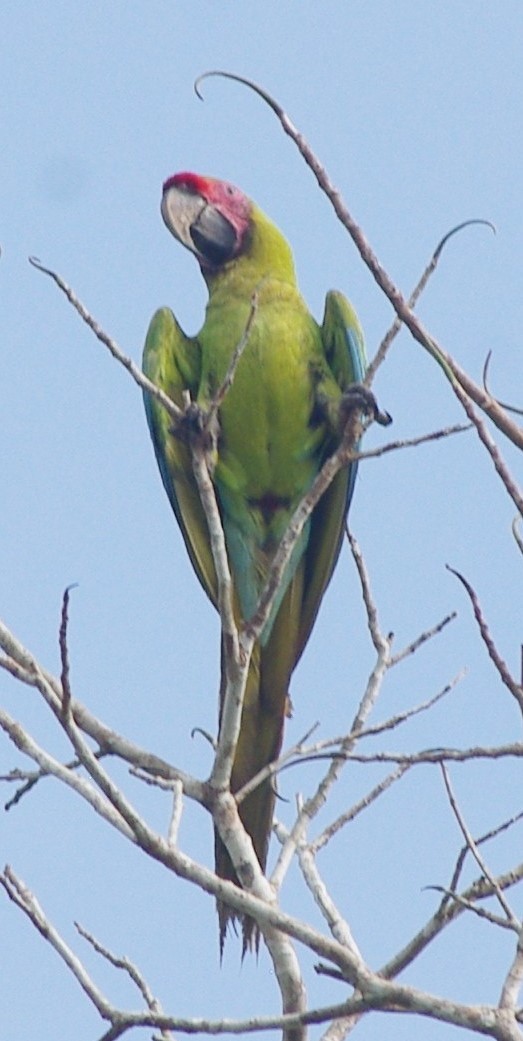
<point x="277" y="424"/>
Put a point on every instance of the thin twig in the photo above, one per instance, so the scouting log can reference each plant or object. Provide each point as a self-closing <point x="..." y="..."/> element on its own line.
<point x="313" y="805"/>
<point x="50" y="766"/>
<point x="127" y="966"/>
<point x="488" y="442"/>
<point x="511" y="918"/>
<point x="503" y="404"/>
<point x="345" y="818"/>
<point x="387" y="340"/>
<point x="516" y="524"/>
<point x="441" y="755"/>
<point x="343" y="455"/>
<point x="138" y="376"/>
<point x="313" y="753"/>
<point x="428" y="634"/>
<point x="487" y="837"/>
<point x="24" y="666"/>
<point x="424" y="706"/>
<point x="64" y="653"/>
<point x="19" y="893"/>
<point x="509" y="997"/>
<point x="176" y="813"/>
<point x="236" y="663"/>
<point x="218" y="397"/>
<point x="382" y="644"/>
<point x="31" y="777"/>
<point x="338" y="926"/>
<point x="501" y="667"/>
<point x="447" y="913"/>
<point x="275" y="767"/>
<point x="469" y="905"/>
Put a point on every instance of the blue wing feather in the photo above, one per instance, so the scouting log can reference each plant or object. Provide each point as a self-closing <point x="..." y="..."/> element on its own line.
<point x="344" y="349"/>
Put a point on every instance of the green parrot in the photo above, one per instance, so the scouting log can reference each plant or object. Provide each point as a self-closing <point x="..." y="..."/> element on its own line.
<point x="279" y="421"/>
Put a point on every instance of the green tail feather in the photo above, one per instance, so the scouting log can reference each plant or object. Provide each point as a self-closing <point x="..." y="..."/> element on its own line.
<point x="264" y="710"/>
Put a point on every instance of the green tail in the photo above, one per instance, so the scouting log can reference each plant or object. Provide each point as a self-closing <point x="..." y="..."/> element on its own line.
<point x="265" y="707"/>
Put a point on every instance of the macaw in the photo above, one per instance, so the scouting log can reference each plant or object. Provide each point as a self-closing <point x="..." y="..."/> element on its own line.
<point x="278" y="422"/>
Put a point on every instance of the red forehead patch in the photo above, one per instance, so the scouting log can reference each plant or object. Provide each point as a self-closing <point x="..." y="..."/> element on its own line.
<point x="195" y="182"/>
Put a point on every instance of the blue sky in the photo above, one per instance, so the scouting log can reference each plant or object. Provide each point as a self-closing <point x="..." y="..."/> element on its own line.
<point x="415" y="109"/>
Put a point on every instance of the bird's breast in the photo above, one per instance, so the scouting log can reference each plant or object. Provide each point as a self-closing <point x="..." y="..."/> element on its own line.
<point x="268" y="448"/>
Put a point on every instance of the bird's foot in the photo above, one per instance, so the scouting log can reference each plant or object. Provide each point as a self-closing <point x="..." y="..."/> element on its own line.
<point x="198" y="428"/>
<point x="358" y="401"/>
<point x="196" y="425"/>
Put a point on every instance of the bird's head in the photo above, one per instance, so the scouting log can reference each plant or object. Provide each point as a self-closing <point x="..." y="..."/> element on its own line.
<point x="211" y="218"/>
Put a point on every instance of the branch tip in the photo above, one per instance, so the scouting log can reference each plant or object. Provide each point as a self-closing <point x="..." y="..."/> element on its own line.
<point x="270" y="101"/>
<point x="64" y="652"/>
<point x="460" y="227"/>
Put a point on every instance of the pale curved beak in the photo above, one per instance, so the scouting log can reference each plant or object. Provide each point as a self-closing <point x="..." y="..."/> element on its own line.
<point x="180" y="209"/>
<point x="199" y="226"/>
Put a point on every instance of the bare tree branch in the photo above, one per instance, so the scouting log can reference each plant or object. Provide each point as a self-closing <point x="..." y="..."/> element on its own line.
<point x="442" y="755"/>
<point x="131" y="970"/>
<point x="516" y="524"/>
<point x="372" y="990"/>
<point x="515" y="688"/>
<point x="428" y="634"/>
<point x="345" y="818"/>
<point x="510" y="993"/>
<point x="24" y="899"/>
<point x="175" y="413"/>
<point x="468" y="905"/>
<point x="64" y="653"/>
<point x="458" y="379"/>
<point x="487" y="837"/>
<point x="446" y="913"/>
<point x="386" y="343"/>
<point x="311" y="806"/>
<point x="475" y="851"/>
<point x="503" y="404"/>
<point x="19" y="662"/>
<point x="50" y="766"/>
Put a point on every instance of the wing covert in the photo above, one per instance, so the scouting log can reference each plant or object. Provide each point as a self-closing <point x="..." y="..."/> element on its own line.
<point x="171" y="360"/>
<point x="344" y="349"/>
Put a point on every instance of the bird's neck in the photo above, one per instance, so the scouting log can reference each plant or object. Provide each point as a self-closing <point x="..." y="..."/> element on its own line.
<point x="266" y="256"/>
